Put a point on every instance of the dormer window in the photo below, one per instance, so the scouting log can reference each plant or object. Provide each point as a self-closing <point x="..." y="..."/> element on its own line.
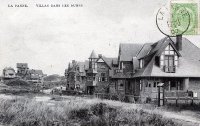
<point x="169" y="59"/>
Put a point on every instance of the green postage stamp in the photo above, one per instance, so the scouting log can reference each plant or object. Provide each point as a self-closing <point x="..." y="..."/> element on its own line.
<point x="185" y="17"/>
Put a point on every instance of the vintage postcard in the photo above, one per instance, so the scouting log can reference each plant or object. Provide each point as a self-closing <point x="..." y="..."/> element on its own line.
<point x="100" y="63"/>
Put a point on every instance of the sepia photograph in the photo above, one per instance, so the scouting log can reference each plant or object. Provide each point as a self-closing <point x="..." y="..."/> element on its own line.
<point x="100" y="63"/>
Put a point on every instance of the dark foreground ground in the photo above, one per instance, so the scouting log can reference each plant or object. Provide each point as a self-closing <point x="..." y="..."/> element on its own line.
<point x="80" y="111"/>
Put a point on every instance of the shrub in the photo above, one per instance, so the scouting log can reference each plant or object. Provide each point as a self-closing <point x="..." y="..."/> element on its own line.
<point x="27" y="112"/>
<point x="82" y="113"/>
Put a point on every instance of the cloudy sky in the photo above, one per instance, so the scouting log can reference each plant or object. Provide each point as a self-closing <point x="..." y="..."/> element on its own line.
<point x="48" y="38"/>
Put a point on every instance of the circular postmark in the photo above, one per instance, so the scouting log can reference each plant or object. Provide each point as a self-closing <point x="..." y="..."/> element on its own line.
<point x="173" y="24"/>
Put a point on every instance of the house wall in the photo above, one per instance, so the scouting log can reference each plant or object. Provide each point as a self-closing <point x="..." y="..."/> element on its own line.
<point x="125" y="86"/>
<point x="113" y="86"/>
<point x="186" y="84"/>
<point x="9" y="73"/>
<point x="194" y="85"/>
<point x="149" y="89"/>
<point x="71" y="80"/>
<point x="102" y="86"/>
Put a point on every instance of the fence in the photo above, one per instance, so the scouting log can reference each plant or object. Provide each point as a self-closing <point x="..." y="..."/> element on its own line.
<point x="120" y="97"/>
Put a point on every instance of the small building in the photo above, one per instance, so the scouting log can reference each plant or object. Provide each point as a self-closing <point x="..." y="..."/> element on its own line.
<point x="35" y="76"/>
<point x="22" y="70"/>
<point x="76" y="75"/>
<point x="9" y="73"/>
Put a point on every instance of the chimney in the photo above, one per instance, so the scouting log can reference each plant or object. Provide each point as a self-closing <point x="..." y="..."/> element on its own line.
<point x="73" y="61"/>
<point x="179" y="42"/>
<point x="100" y="55"/>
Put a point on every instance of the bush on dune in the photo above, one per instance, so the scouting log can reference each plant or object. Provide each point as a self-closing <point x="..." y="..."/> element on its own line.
<point x="27" y="112"/>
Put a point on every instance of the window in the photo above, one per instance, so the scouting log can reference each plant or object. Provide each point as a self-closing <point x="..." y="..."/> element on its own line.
<point x="141" y="63"/>
<point x="103" y="77"/>
<point x="121" y="65"/>
<point x="115" y="85"/>
<point x="149" y="84"/>
<point x="93" y="64"/>
<point x="94" y="78"/>
<point x="106" y="79"/>
<point x="169" y="59"/>
<point x="173" y="84"/>
<point x="157" y="61"/>
<point x="140" y="85"/>
<point x="155" y="84"/>
<point x="121" y="86"/>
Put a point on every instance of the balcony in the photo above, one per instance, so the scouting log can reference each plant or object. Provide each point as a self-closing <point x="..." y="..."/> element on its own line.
<point x="92" y="71"/>
<point x="118" y="73"/>
<point x="169" y="69"/>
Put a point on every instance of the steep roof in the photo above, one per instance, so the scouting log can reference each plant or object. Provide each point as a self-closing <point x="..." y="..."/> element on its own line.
<point x="129" y="50"/>
<point x="144" y="50"/>
<point x="93" y="55"/>
<point x="109" y="61"/>
<point x="189" y="50"/>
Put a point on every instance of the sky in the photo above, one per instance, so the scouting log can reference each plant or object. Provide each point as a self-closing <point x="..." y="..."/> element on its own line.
<point x="48" y="38"/>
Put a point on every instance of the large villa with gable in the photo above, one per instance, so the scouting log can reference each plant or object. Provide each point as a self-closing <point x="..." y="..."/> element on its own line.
<point x="139" y="68"/>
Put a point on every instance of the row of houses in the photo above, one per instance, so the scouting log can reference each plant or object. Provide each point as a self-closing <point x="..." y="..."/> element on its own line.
<point x="23" y="72"/>
<point x="139" y="68"/>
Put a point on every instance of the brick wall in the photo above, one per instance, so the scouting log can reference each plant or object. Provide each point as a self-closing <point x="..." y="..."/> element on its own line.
<point x="194" y="85"/>
<point x="102" y="85"/>
<point x="148" y="89"/>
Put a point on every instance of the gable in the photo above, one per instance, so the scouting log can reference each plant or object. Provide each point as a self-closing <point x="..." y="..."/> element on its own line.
<point x="169" y="50"/>
<point x="100" y="60"/>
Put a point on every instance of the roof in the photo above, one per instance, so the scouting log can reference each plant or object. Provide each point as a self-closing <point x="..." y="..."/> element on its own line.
<point x="189" y="50"/>
<point x="93" y="55"/>
<point x="33" y="71"/>
<point x="82" y="67"/>
<point x="189" y="61"/>
<point x="109" y="60"/>
<point x="8" y="68"/>
<point x="115" y="61"/>
<point x="22" y="65"/>
<point x="86" y="64"/>
<point x="129" y="50"/>
<point x="144" y="50"/>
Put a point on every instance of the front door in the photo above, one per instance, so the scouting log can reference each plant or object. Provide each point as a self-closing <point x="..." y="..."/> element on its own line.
<point x="127" y="87"/>
<point x="90" y="90"/>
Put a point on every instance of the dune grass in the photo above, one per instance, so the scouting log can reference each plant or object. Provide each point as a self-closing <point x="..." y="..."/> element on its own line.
<point x="75" y="112"/>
